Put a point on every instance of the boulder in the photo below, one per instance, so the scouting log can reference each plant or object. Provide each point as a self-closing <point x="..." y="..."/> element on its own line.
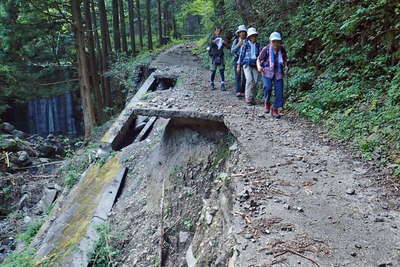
<point x="6" y="127"/>
<point x="183" y="236"/>
<point x="9" y="144"/>
<point x="49" y="195"/>
<point x="19" y="134"/>
<point x="23" y="158"/>
<point x="46" y="151"/>
<point x="50" y="137"/>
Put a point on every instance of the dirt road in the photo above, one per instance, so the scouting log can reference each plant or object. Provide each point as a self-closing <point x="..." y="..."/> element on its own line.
<point x="299" y="198"/>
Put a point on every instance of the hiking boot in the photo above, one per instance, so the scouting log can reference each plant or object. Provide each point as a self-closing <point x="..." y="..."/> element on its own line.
<point x="223" y="87"/>
<point x="212" y="85"/>
<point x="249" y="102"/>
<point x="267" y="107"/>
<point x="275" y="113"/>
<point x="253" y="102"/>
<point x="238" y="94"/>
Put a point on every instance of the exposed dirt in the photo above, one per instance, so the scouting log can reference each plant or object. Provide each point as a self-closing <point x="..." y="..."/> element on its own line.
<point x="287" y="195"/>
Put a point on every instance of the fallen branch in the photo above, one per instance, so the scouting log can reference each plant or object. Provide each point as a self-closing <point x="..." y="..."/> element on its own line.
<point x="43" y="176"/>
<point x="298" y="254"/>
<point x="277" y="191"/>
<point x="244" y="216"/>
<point x="39" y="165"/>
<point x="7" y="160"/>
<point x="243" y="174"/>
<point x="262" y="180"/>
<point x="54" y="83"/>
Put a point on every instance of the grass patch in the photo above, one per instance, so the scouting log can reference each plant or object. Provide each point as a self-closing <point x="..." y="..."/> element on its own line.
<point x="73" y="171"/>
<point x="77" y="164"/>
<point x="32" y="229"/>
<point x="104" y="254"/>
<point x="223" y="151"/>
<point x="23" y="258"/>
<point x="147" y="96"/>
<point x="188" y="224"/>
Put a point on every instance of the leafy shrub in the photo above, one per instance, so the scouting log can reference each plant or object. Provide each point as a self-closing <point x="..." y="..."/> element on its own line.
<point x="23" y="258"/>
<point x="74" y="169"/>
<point x="104" y="254"/>
<point x="301" y="79"/>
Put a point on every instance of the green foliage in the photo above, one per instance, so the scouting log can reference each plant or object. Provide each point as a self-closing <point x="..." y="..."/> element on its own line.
<point x="34" y="37"/>
<point x="223" y="151"/>
<point x="74" y="169"/>
<point x="188" y="224"/>
<point x="31" y="231"/>
<point x="24" y="258"/>
<point x="203" y="8"/>
<point x="104" y="254"/>
<point x="148" y="96"/>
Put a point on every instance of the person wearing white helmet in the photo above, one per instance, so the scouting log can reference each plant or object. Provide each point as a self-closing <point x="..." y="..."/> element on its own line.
<point x="248" y="61"/>
<point x="272" y="63"/>
<point x="241" y="34"/>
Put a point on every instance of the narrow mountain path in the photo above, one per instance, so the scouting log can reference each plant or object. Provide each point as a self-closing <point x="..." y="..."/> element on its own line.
<point x="300" y="199"/>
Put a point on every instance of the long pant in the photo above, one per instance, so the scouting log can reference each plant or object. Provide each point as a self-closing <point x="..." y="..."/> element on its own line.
<point x="214" y="68"/>
<point x="252" y="78"/>
<point x="240" y="80"/>
<point x="278" y="91"/>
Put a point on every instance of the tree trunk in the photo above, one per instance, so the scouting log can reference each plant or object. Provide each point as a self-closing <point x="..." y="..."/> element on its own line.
<point x="159" y="20"/>
<point x="149" y="33"/>
<point x="166" y="19"/>
<point x="98" y="66"/>
<point x="116" y="31"/>
<point x="83" y="63"/>
<point x="123" y="26"/>
<point x="219" y="9"/>
<point x="174" y="28"/>
<point x="94" y="79"/>
<point x="140" y="24"/>
<point x="106" y="51"/>
<point x="131" y="11"/>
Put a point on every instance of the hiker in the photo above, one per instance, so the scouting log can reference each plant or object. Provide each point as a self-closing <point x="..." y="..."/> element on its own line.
<point x="216" y="53"/>
<point x="248" y="62"/>
<point x="272" y="63"/>
<point x="240" y="39"/>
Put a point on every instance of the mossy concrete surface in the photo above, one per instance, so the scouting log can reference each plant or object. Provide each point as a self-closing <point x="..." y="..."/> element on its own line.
<point x="70" y="236"/>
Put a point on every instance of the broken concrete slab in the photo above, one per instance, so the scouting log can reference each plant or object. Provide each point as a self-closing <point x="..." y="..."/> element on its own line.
<point x="68" y="239"/>
<point x="126" y="120"/>
<point x="49" y="195"/>
<point x="145" y="131"/>
<point x="173" y="113"/>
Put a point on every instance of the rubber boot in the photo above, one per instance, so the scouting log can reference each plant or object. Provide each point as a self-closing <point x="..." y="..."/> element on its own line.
<point x="267" y="107"/>
<point x="275" y="113"/>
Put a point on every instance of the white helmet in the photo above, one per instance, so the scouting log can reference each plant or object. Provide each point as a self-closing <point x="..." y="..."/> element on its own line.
<point x="241" y="28"/>
<point x="251" y="31"/>
<point x="275" y="36"/>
